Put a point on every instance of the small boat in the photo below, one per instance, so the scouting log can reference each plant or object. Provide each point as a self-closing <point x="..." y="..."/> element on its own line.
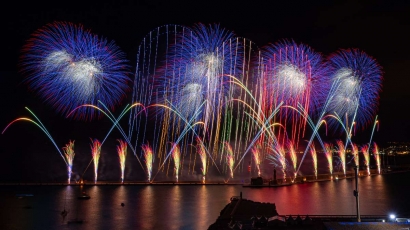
<point x="83" y="196"/>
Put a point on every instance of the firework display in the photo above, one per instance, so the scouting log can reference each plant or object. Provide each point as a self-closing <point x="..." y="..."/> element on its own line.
<point x="342" y="155"/>
<point x="95" y="152"/>
<point x="219" y="99"/>
<point x="69" y="156"/>
<point x="202" y="153"/>
<point x="359" y="84"/>
<point x="149" y="159"/>
<point x="376" y="155"/>
<point x="355" y="153"/>
<point x="366" y="156"/>
<point x="122" y="154"/>
<point x="314" y="159"/>
<point x="257" y="158"/>
<point x="329" y="156"/>
<point x="293" y="157"/>
<point x="68" y="66"/>
<point x="230" y="158"/>
<point x="176" y="155"/>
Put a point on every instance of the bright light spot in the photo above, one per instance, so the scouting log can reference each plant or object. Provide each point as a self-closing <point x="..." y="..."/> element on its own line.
<point x="392" y="216"/>
<point x="57" y="59"/>
<point x="347" y="93"/>
<point x="293" y="81"/>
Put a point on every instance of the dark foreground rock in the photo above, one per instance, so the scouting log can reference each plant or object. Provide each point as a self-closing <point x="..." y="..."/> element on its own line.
<point x="244" y="214"/>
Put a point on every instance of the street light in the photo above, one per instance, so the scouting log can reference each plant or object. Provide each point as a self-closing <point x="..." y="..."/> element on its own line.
<point x="393" y="217"/>
<point x="356" y="192"/>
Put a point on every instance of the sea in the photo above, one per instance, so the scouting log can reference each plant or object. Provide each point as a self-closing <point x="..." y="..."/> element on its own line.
<point x="191" y="206"/>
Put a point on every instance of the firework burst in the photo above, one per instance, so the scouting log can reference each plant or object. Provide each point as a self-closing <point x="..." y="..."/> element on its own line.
<point x="122" y="154"/>
<point x="95" y="152"/>
<point x="195" y="71"/>
<point x="69" y="156"/>
<point x="295" y="75"/>
<point x="69" y="66"/>
<point x="359" y="80"/>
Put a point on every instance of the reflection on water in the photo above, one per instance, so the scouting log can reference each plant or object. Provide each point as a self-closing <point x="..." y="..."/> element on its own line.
<point x="190" y="206"/>
<point x="147" y="207"/>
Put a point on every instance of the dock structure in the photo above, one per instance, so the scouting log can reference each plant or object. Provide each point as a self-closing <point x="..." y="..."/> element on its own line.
<point x="244" y="214"/>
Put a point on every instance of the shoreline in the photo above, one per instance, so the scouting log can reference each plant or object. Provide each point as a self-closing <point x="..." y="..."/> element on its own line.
<point x="266" y="183"/>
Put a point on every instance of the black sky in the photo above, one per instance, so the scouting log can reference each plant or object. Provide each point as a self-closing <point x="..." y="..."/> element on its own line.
<point x="380" y="28"/>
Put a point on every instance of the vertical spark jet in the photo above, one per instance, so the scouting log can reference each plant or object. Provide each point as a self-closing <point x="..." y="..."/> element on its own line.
<point x="95" y="152"/>
<point x="376" y="156"/>
<point x="314" y="159"/>
<point x="293" y="157"/>
<point x="342" y="155"/>
<point x="365" y="151"/>
<point x="202" y="153"/>
<point x="230" y="158"/>
<point x="329" y="157"/>
<point x="122" y="153"/>
<point x="149" y="159"/>
<point x="281" y="153"/>
<point x="257" y="157"/>
<point x="355" y="153"/>
<point x="69" y="156"/>
<point x="176" y="155"/>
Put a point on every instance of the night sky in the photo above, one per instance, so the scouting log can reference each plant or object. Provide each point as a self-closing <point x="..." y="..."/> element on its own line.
<point x="380" y="28"/>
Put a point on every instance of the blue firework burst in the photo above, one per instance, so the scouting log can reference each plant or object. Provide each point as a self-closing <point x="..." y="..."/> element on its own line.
<point x="69" y="66"/>
<point x="359" y="82"/>
<point x="193" y="78"/>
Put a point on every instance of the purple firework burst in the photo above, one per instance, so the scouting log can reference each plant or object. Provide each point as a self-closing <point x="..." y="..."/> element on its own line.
<point x="69" y="66"/>
<point x="296" y="75"/>
<point x="358" y="80"/>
